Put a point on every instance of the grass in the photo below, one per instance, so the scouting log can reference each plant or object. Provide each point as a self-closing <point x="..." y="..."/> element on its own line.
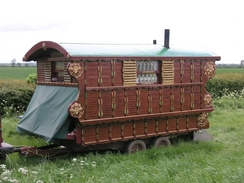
<point x="219" y="160"/>
<point x="229" y="70"/>
<point x="19" y="73"/>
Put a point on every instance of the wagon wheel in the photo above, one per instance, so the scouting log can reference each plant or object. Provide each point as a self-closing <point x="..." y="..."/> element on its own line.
<point x="161" y="142"/>
<point x="135" y="146"/>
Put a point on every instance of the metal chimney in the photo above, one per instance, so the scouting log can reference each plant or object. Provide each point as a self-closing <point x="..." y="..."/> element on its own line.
<point x="166" y="38"/>
<point x="154" y="41"/>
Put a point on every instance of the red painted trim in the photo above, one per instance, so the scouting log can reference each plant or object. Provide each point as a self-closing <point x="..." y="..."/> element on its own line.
<point x="38" y="46"/>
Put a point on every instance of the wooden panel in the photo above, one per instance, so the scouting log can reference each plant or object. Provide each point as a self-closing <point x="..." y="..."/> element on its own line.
<point x="144" y="101"/>
<point x="162" y="125"/>
<point x="155" y="100"/>
<point x="91" y="74"/>
<point x="166" y="100"/>
<point x="119" y="100"/>
<point x="115" y="131"/>
<point x="131" y="93"/>
<point x="197" y="99"/>
<point x="103" y="133"/>
<point x="181" y="123"/>
<point x="106" y="74"/>
<point x="172" y="124"/>
<point x="139" y="128"/>
<point x="187" y="98"/>
<point x="118" y="79"/>
<point x="151" y="126"/>
<point x="177" y="74"/>
<point x="89" y="134"/>
<point x="107" y="104"/>
<point x="192" y="121"/>
<point x="176" y="93"/>
<point x="197" y="70"/>
<point x="167" y="71"/>
<point x="127" y="129"/>
<point x="186" y="77"/>
<point x="92" y="105"/>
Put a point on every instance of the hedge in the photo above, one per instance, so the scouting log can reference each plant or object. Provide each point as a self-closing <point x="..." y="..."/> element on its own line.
<point x="231" y="82"/>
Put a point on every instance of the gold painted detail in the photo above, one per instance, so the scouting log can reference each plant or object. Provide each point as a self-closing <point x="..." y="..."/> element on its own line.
<point x="202" y="119"/>
<point x="181" y="69"/>
<point x="100" y="104"/>
<point x="99" y="69"/>
<point x="182" y="100"/>
<point x="44" y="46"/>
<point x="55" y="53"/>
<point x="129" y="73"/>
<point x="149" y="102"/>
<point x="210" y="70"/>
<point x="160" y="91"/>
<point x="75" y="69"/>
<point x="207" y="100"/>
<point x="167" y="71"/>
<point x="126" y="110"/>
<point x="76" y="110"/>
<point x="192" y="100"/>
<point x="113" y="70"/>
<point x="192" y="72"/>
<point x="172" y="102"/>
<point x="113" y="95"/>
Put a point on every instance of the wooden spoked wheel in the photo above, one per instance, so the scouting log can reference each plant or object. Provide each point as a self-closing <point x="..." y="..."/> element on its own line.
<point x="161" y="142"/>
<point x="135" y="146"/>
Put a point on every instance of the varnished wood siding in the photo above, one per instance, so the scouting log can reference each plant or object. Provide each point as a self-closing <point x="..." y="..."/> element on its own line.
<point x="117" y="131"/>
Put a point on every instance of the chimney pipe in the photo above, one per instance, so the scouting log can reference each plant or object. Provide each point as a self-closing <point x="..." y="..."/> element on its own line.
<point x="154" y="41"/>
<point x="166" y="38"/>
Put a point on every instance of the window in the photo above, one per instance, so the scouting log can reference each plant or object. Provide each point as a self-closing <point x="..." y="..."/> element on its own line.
<point x="147" y="72"/>
<point x="140" y="72"/>
<point x="57" y="71"/>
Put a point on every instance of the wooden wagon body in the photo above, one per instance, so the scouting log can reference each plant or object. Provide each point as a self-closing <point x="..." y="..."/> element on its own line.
<point x="124" y="92"/>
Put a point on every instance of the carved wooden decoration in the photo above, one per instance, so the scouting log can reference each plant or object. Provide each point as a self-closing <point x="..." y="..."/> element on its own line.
<point x="167" y="71"/>
<point x="76" y="110"/>
<point x="75" y="69"/>
<point x="202" y="119"/>
<point x="207" y="100"/>
<point x="209" y="70"/>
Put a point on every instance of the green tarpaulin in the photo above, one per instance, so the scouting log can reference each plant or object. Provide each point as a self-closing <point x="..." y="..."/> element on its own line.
<point x="47" y="114"/>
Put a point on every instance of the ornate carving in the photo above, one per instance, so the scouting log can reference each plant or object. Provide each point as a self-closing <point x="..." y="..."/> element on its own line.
<point x="76" y="110"/>
<point x="75" y="69"/>
<point x="202" y="119"/>
<point x="210" y="70"/>
<point x="56" y="53"/>
<point x="207" y="100"/>
<point x="44" y="46"/>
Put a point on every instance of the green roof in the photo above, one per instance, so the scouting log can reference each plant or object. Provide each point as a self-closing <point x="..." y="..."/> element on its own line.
<point x="124" y="50"/>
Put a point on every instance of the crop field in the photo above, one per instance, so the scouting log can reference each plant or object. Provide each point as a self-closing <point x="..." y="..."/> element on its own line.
<point x="230" y="70"/>
<point x="16" y="72"/>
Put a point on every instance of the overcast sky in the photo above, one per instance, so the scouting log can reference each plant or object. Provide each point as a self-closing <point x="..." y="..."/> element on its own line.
<point x="210" y="24"/>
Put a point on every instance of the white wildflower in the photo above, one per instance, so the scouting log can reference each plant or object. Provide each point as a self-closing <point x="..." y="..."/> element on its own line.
<point x="6" y="173"/>
<point x="93" y="164"/>
<point x="13" y="180"/>
<point x="39" y="181"/>
<point x="34" y="172"/>
<point x="82" y="162"/>
<point x="74" y="159"/>
<point x="23" y="171"/>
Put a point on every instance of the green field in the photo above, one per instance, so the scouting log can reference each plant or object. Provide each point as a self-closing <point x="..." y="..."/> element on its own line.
<point x="19" y="73"/>
<point x="229" y="70"/>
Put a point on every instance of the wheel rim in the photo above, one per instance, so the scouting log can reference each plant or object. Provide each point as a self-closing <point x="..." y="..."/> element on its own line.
<point x="136" y="148"/>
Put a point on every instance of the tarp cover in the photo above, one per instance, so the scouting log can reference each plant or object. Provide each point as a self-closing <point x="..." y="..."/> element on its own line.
<point x="47" y="114"/>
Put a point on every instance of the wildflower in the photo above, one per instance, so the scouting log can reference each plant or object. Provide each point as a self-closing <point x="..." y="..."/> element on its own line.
<point x="2" y="166"/>
<point x="71" y="176"/>
<point x="74" y="159"/>
<point x="82" y="162"/>
<point x="6" y="173"/>
<point x="93" y="164"/>
<point x="39" y="181"/>
<point x="34" y="172"/>
<point x="23" y="171"/>
<point x="13" y="180"/>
